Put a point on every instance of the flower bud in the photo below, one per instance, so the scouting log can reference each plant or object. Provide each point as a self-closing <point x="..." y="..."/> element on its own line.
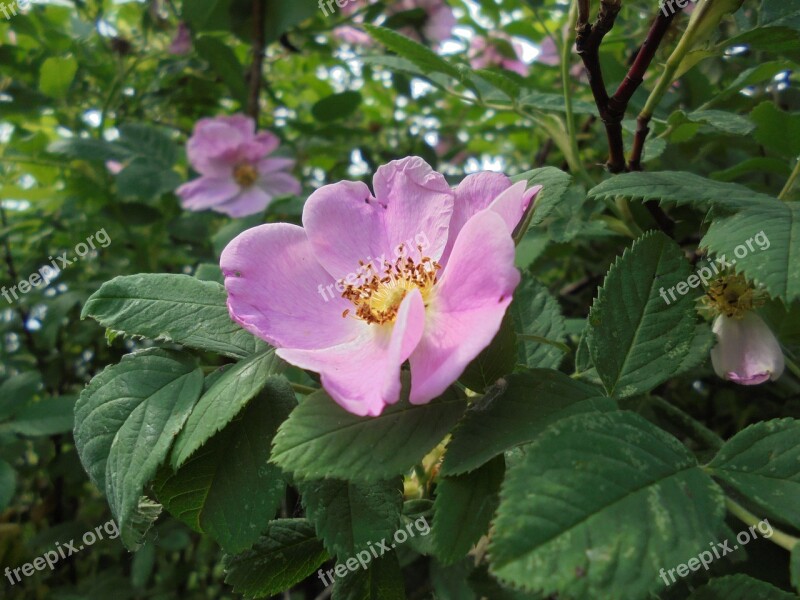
<point x="748" y="353"/>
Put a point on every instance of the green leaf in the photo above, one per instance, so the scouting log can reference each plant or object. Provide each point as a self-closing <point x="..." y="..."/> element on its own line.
<point x="723" y="121"/>
<point x="127" y="418"/>
<point x="224" y="63"/>
<point x="232" y="505"/>
<point x="146" y="141"/>
<point x="463" y="508"/>
<point x="555" y="184"/>
<point x="176" y="308"/>
<point x="422" y="56"/>
<point x="336" y="106"/>
<point x="348" y="516"/>
<point x="8" y="484"/>
<point x="500" y="81"/>
<point x="762" y="463"/>
<point x="771" y="263"/>
<point x="226" y="398"/>
<point x="322" y="440"/>
<point x="381" y="580"/>
<point x="46" y="417"/>
<point x="636" y="339"/>
<point x="609" y="496"/>
<point x="18" y="391"/>
<point x="536" y="314"/>
<point x="516" y="411"/>
<point x="549" y="102"/>
<point x="777" y="130"/>
<point x="794" y="567"/>
<point x="680" y="188"/>
<point x="739" y="587"/>
<point x="56" y="76"/>
<point x="284" y="556"/>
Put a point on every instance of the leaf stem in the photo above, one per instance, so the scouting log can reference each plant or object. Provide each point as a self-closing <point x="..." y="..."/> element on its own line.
<point x="303" y="389"/>
<point x="784" y="540"/>
<point x="784" y="195"/>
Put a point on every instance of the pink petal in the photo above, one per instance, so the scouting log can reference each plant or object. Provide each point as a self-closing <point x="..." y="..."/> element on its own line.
<point x="270" y="165"/>
<point x="277" y="290"/>
<point x="363" y="376"/>
<point x="469" y="303"/>
<point x="748" y="353"/>
<point x="418" y="202"/>
<point x="413" y="207"/>
<point x="207" y="192"/>
<point x="512" y="204"/>
<point x="250" y="201"/>
<point x="279" y="184"/>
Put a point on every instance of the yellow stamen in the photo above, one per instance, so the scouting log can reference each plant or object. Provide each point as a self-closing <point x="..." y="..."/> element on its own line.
<point x="245" y="174"/>
<point x="378" y="296"/>
<point x="732" y="296"/>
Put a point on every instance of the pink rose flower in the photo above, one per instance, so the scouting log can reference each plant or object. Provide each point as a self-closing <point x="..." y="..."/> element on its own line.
<point x="548" y="53"/>
<point x="236" y="177"/>
<point x="417" y="272"/>
<point x="748" y="353"/>
<point x="493" y="51"/>
<point x="182" y="42"/>
<point x="439" y="21"/>
<point x="353" y="35"/>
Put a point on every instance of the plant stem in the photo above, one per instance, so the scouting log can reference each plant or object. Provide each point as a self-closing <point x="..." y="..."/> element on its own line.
<point x="784" y="195"/>
<point x="303" y="389"/>
<point x="566" y="48"/>
<point x="784" y="540"/>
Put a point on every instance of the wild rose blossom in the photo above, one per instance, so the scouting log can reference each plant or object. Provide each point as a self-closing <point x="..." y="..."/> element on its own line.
<point x="748" y="353"/>
<point x="182" y="42"/>
<point x="439" y="21"/>
<point x="438" y="25"/>
<point x="494" y="51"/>
<point x="236" y="177"/>
<point x="437" y="305"/>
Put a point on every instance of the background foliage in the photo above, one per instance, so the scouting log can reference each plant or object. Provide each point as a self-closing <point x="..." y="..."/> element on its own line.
<point x="607" y="450"/>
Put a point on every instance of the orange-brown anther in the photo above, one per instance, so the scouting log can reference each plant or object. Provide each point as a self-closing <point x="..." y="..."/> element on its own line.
<point x="378" y="295"/>
<point x="245" y="174"/>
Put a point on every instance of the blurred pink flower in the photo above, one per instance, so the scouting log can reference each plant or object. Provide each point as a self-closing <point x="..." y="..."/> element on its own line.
<point x="747" y="353"/>
<point x="114" y="167"/>
<point x="495" y="51"/>
<point x="352" y="35"/>
<point x="548" y="53"/>
<point x="439" y="21"/>
<point x="236" y="177"/>
<point x="182" y="42"/>
<point x="417" y="272"/>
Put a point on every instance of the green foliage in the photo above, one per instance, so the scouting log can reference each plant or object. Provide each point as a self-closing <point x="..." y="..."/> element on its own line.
<point x="320" y="439"/>
<point x="589" y="446"/>
<point x="636" y="518"/>
<point x="286" y="554"/>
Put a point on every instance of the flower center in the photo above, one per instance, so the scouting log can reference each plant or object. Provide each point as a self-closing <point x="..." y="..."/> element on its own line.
<point x="245" y="174"/>
<point x="732" y="296"/>
<point x="379" y="293"/>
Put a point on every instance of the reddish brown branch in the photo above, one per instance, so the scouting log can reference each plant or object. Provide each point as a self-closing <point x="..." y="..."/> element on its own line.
<point x="612" y="109"/>
<point x="257" y="66"/>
